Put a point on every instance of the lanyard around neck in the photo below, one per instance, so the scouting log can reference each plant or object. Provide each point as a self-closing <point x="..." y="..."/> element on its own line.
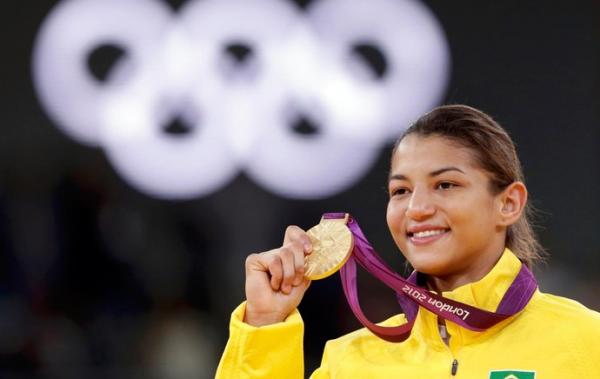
<point x="411" y="296"/>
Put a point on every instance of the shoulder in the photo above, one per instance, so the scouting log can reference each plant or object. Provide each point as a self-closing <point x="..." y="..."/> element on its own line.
<point x="570" y="326"/>
<point x="560" y="307"/>
<point x="566" y="314"/>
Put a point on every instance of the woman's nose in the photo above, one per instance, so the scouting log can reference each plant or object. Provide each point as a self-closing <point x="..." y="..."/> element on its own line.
<point x="420" y="206"/>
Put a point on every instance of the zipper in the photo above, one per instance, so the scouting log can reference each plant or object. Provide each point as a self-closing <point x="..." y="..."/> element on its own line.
<point x="446" y="340"/>
<point x="454" y="367"/>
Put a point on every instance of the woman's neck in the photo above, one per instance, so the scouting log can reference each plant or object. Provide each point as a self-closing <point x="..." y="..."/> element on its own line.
<point x="450" y="282"/>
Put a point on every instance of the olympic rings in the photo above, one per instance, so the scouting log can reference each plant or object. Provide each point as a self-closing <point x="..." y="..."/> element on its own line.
<point x="301" y="101"/>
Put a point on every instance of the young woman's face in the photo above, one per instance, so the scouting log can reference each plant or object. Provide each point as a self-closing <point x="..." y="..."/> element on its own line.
<point x="441" y="212"/>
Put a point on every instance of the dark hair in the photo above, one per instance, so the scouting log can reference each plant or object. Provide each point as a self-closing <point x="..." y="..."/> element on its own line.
<point x="494" y="151"/>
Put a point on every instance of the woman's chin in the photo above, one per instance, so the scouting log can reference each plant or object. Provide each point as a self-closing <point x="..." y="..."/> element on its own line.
<point x="428" y="265"/>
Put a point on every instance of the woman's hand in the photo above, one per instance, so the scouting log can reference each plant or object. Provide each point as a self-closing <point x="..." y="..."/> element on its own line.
<point x="275" y="282"/>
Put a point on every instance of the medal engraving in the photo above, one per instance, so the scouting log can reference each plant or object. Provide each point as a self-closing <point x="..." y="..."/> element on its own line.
<point x="332" y="243"/>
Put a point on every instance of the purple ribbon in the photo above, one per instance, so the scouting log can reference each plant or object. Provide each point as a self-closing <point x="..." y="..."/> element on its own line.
<point x="411" y="296"/>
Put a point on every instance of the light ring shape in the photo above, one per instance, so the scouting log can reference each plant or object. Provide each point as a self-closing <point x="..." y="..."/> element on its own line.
<point x="301" y="101"/>
<point x="64" y="85"/>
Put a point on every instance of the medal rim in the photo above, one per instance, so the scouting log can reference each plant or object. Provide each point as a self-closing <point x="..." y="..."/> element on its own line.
<point x="339" y="265"/>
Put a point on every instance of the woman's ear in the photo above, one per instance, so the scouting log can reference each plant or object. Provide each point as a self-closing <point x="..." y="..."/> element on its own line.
<point x="512" y="203"/>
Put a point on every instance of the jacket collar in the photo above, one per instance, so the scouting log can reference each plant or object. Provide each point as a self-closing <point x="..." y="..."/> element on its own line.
<point x="485" y="294"/>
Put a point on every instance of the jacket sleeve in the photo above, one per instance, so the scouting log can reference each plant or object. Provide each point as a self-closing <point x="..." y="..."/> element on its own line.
<point x="272" y="351"/>
<point x="323" y="371"/>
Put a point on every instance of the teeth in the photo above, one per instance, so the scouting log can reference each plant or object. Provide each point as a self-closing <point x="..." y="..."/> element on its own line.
<point x="428" y="233"/>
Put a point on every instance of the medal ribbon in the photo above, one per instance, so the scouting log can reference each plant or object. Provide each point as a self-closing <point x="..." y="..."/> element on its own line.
<point x="410" y="295"/>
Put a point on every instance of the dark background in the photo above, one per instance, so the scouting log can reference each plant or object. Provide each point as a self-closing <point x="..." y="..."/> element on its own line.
<point x="99" y="280"/>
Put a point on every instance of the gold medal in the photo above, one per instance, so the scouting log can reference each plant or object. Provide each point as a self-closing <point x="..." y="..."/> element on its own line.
<point x="332" y="244"/>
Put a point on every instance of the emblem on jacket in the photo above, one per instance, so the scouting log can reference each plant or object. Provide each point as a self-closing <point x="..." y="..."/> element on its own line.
<point x="512" y="374"/>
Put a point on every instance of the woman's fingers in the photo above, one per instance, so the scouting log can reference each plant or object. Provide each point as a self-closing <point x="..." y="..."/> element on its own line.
<point x="299" y="252"/>
<point x="285" y="266"/>
<point x="289" y="268"/>
<point x="275" y="270"/>
<point x="294" y="233"/>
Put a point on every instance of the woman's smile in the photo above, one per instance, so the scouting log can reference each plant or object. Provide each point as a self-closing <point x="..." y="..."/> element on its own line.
<point x="426" y="234"/>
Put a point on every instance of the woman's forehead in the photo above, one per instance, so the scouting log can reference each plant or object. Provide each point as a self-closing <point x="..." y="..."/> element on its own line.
<point x="416" y="151"/>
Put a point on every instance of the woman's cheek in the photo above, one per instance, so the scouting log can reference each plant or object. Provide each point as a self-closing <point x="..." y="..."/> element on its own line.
<point x="391" y="216"/>
<point x="395" y="220"/>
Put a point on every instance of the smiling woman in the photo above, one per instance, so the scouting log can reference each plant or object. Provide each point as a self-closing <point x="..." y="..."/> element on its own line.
<point x="456" y="186"/>
<point x="458" y="213"/>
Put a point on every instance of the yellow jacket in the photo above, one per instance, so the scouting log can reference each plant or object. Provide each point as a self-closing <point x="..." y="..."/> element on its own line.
<point x="553" y="337"/>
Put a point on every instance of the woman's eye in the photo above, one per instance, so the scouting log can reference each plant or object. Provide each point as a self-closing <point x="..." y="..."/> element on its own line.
<point x="446" y="185"/>
<point x="399" y="191"/>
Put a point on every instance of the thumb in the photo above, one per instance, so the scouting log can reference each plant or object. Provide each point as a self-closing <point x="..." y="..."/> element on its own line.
<point x="302" y="287"/>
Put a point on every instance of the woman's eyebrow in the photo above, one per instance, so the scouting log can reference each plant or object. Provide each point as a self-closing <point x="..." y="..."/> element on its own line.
<point x="445" y="169"/>
<point x="431" y="174"/>
<point x="396" y="177"/>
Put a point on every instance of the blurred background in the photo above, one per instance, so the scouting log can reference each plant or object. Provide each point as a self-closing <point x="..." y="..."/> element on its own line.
<point x="147" y="147"/>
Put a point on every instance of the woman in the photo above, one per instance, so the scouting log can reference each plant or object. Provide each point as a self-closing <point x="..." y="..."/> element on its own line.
<point x="458" y="213"/>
